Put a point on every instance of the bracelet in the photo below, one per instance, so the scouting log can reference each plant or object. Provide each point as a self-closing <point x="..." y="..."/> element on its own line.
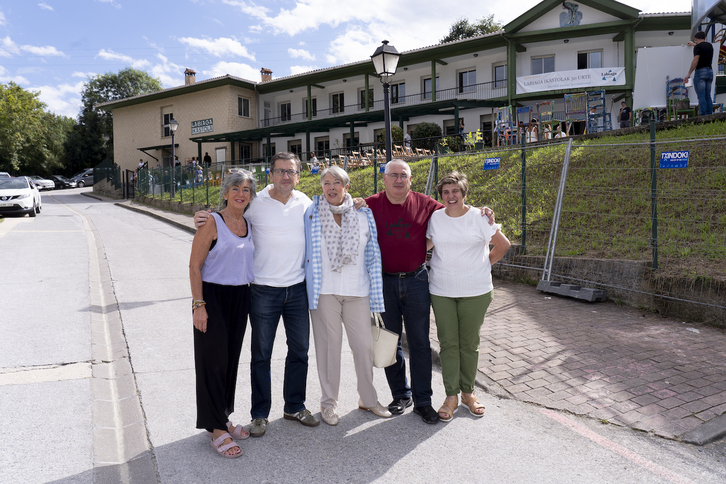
<point x="196" y="304"/>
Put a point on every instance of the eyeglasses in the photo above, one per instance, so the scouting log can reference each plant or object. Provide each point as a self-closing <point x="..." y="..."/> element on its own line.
<point x="398" y="176"/>
<point x="281" y="172"/>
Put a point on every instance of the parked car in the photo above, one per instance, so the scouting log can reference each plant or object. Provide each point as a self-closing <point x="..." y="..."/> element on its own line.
<point x="62" y="182"/>
<point x="42" y="183"/>
<point x="83" y="178"/>
<point x="4" y="174"/>
<point x="19" y="195"/>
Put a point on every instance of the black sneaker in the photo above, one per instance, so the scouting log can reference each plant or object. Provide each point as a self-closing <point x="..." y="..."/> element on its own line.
<point x="428" y="414"/>
<point x="398" y="405"/>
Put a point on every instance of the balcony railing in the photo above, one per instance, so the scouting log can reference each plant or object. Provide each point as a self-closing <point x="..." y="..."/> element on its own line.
<point x="485" y="90"/>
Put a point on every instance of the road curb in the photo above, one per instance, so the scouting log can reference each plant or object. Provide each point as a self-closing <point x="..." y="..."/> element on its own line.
<point x="141" y="209"/>
<point x="706" y="433"/>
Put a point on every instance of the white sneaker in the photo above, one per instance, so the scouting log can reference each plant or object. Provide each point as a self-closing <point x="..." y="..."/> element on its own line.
<point x="330" y="416"/>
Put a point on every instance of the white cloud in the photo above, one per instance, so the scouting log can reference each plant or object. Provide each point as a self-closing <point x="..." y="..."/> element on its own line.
<point x="2" y="19"/>
<point x="84" y="75"/>
<point x="4" y="78"/>
<point x="114" y="56"/>
<point x="256" y="29"/>
<point x="64" y="99"/>
<point x="167" y="72"/>
<point x="237" y="69"/>
<point x="249" y="8"/>
<point x="300" y="54"/>
<point x="45" y="51"/>
<point x="8" y="48"/>
<point x="111" y="2"/>
<point x="300" y="69"/>
<point x="219" y="47"/>
<point x="45" y="6"/>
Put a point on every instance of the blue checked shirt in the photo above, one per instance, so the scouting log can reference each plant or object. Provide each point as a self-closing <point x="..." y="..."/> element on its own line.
<point x="314" y="262"/>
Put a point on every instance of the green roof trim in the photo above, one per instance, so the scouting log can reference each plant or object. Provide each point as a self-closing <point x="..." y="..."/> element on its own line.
<point x="178" y="91"/>
<point x="611" y="7"/>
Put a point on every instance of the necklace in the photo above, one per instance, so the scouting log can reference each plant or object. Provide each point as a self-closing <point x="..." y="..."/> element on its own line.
<point x="229" y="212"/>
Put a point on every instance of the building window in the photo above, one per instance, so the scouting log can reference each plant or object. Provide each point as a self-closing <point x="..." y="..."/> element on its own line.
<point x="285" y="112"/>
<point x="540" y="65"/>
<point x="166" y="130"/>
<point x="467" y="81"/>
<point x="338" y="103"/>
<point x="398" y="93"/>
<point x="500" y="76"/>
<point x="314" y="104"/>
<point x="245" y="151"/>
<point x="362" y="98"/>
<point x="589" y="60"/>
<point x="427" y="87"/>
<point x="272" y="149"/>
<point x="346" y="140"/>
<point x="243" y="107"/>
<point x="322" y="145"/>
<point x="295" y="146"/>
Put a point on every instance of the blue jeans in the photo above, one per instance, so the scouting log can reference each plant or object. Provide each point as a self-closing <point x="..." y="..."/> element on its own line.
<point x="267" y="305"/>
<point x="408" y="303"/>
<point x="702" y="80"/>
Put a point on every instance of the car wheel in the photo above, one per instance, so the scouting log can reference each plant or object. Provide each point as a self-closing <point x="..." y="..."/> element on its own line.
<point x="31" y="213"/>
<point x="81" y="184"/>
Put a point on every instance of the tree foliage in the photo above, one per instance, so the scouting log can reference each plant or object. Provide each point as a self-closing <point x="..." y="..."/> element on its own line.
<point x="463" y="29"/>
<point x="85" y="145"/>
<point x="425" y="135"/>
<point x="31" y="139"/>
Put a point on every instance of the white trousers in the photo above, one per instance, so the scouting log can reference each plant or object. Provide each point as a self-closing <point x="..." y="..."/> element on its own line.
<point x="332" y="314"/>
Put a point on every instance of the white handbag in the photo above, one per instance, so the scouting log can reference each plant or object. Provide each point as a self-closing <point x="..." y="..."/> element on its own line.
<point x="385" y="343"/>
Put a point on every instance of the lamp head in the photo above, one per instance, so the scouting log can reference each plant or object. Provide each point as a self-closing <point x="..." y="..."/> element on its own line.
<point x="173" y="125"/>
<point x="385" y="60"/>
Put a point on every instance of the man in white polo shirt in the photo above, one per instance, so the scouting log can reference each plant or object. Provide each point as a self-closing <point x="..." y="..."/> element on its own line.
<point x="277" y="224"/>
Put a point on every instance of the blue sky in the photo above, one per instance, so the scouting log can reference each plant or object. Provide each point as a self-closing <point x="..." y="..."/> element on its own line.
<point x="53" y="46"/>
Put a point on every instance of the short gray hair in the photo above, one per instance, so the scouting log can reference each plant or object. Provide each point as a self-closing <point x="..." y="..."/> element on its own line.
<point x="338" y="173"/>
<point x="286" y="155"/>
<point x="236" y="179"/>
<point x="399" y="161"/>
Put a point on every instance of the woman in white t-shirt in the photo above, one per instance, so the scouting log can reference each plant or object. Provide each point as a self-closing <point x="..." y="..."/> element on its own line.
<point x="460" y="283"/>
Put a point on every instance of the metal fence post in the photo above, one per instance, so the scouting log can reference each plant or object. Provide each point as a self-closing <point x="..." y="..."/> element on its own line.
<point x="206" y="177"/>
<point x="654" y="194"/>
<point x="375" y="172"/>
<point x="524" y="197"/>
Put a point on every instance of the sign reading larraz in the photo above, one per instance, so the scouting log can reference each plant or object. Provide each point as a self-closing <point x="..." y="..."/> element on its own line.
<point x="203" y="126"/>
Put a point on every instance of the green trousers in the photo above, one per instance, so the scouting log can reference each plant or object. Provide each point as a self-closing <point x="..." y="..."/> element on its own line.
<point x="458" y="324"/>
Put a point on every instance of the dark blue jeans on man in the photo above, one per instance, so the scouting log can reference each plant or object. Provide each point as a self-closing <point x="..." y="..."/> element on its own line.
<point x="702" y="80"/>
<point x="408" y="304"/>
<point x="267" y="305"/>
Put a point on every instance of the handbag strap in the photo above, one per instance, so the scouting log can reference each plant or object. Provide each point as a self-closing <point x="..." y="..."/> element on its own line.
<point x="378" y="320"/>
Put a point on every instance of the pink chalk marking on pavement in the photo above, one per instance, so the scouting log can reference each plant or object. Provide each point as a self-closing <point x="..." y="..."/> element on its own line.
<point x="618" y="449"/>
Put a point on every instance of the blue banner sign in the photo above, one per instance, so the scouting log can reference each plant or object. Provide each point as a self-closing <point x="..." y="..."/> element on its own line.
<point x="383" y="168"/>
<point x="674" y="159"/>
<point x="492" y="163"/>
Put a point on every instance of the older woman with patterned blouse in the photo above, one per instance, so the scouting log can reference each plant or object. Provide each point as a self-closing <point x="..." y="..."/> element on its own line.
<point x="344" y="284"/>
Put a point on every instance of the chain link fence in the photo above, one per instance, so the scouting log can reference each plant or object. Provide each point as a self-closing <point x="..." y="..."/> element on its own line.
<point x="649" y="236"/>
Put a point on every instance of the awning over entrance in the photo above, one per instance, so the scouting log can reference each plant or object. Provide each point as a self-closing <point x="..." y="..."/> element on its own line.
<point x="156" y="148"/>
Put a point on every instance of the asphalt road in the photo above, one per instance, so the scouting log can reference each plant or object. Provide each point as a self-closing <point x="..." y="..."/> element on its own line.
<point x="97" y="385"/>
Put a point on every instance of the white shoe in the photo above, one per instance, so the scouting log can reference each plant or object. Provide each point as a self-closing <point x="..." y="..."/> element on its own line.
<point x="378" y="409"/>
<point x="330" y="416"/>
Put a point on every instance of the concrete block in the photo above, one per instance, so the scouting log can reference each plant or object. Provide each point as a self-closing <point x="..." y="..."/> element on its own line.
<point x="572" y="290"/>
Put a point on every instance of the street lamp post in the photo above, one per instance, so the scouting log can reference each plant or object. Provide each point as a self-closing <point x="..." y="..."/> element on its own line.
<point x="173" y="125"/>
<point x="385" y="61"/>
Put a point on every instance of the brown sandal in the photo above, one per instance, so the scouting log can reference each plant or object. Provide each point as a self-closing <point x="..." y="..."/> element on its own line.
<point x="447" y="410"/>
<point x="473" y="404"/>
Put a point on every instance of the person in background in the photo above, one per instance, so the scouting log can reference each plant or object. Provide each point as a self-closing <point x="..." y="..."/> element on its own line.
<point x="220" y="305"/>
<point x="407" y="141"/>
<point x="207" y="159"/>
<point x="460" y="283"/>
<point x="624" y="115"/>
<point x="703" y="76"/>
<point x="344" y="285"/>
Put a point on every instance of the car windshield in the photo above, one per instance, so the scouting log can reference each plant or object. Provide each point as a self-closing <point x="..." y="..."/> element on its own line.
<point x="13" y="183"/>
<point x="79" y="174"/>
<point x="62" y="178"/>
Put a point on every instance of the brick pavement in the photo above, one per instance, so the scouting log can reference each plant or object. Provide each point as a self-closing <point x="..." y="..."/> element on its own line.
<point x="601" y="360"/>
